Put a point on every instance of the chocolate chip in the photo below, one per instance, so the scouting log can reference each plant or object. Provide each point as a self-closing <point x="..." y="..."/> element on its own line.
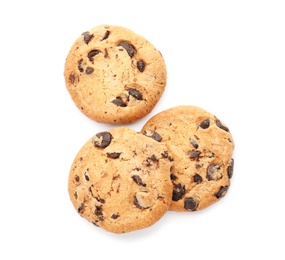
<point x="154" y="135"/>
<point x="80" y="209"/>
<point x="71" y="78"/>
<point x="141" y="65"/>
<point x="153" y="158"/>
<point x="87" y="37"/>
<point x="80" y="65"/>
<point x="106" y="35"/>
<point x="137" y="179"/>
<point x="173" y="177"/>
<point x="230" y="169"/>
<point x="178" y="192"/>
<point x="115" y="216"/>
<point x="75" y="195"/>
<point x="214" y="172"/>
<point x="86" y="176"/>
<point x="205" y="124"/>
<point x="98" y="212"/>
<point x="95" y="223"/>
<point x="77" y="178"/>
<point x="89" y="70"/>
<point x="198" y="166"/>
<point x="119" y="102"/>
<point x="102" y="139"/>
<point x="220" y="125"/>
<point x="194" y="143"/>
<point x="92" y="54"/>
<point x="222" y="192"/>
<point x="134" y="93"/>
<point x="197" y="178"/>
<point x="190" y="204"/>
<point x="113" y="155"/>
<point x="194" y="154"/>
<point x="137" y="203"/>
<point x="129" y="48"/>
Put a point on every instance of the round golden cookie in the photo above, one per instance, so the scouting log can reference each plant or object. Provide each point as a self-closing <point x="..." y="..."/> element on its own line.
<point x="114" y="75"/>
<point x="120" y="180"/>
<point x="202" y="147"/>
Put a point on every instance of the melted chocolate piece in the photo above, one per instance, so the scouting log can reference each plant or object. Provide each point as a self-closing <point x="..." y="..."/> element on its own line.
<point x="197" y="178"/>
<point x="119" y="102"/>
<point x="128" y="47"/>
<point x="214" y="172"/>
<point x="106" y="35"/>
<point x="194" y="154"/>
<point x="105" y="139"/>
<point x="230" y="169"/>
<point x="220" y="125"/>
<point x="137" y="179"/>
<point x="178" y="192"/>
<point x="87" y="37"/>
<point x="98" y="212"/>
<point x="134" y="93"/>
<point x="89" y="70"/>
<point x="92" y="54"/>
<point x="222" y="192"/>
<point x="190" y="204"/>
<point x="80" y="65"/>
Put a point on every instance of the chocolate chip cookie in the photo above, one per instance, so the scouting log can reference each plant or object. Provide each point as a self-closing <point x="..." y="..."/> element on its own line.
<point x="120" y="180"/>
<point x="202" y="148"/>
<point x="114" y="75"/>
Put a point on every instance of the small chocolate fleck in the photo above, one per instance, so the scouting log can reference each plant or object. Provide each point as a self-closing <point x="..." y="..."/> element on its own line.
<point x="80" y="66"/>
<point x="89" y="70"/>
<point x="141" y="65"/>
<point x="134" y="93"/>
<point x="220" y="125"/>
<point x="75" y="195"/>
<point x="205" y="124"/>
<point x="119" y="102"/>
<point x="106" y="53"/>
<point x="154" y="135"/>
<point x="128" y="47"/>
<point x="105" y="139"/>
<point x="197" y="178"/>
<point x="222" y="192"/>
<point x="178" y="192"/>
<point x="115" y="216"/>
<point x="190" y="204"/>
<point x="230" y="169"/>
<point x="92" y="54"/>
<point x="214" y="172"/>
<point x="137" y="179"/>
<point x="77" y="178"/>
<point x="87" y="37"/>
<point x="106" y="35"/>
<point x="114" y="155"/>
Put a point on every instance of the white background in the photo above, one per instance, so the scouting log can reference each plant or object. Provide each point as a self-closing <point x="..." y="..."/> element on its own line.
<point x="227" y="57"/>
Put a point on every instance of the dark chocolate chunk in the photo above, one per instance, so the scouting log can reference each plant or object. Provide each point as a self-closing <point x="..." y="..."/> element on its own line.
<point x="173" y="177"/>
<point x="87" y="37"/>
<point x="134" y="93"/>
<point x="153" y="158"/>
<point x="80" y="66"/>
<point x="137" y="179"/>
<point x="128" y="47"/>
<point x="230" y="169"/>
<point x="214" y="172"/>
<point x="92" y="54"/>
<point x="115" y="216"/>
<point x="154" y="135"/>
<point x="197" y="178"/>
<point x="205" y="124"/>
<point x="141" y="65"/>
<point x="119" y="102"/>
<point x="105" y="139"/>
<point x="220" y="125"/>
<point x="222" y="192"/>
<point x="194" y="154"/>
<point x="98" y="212"/>
<point x="89" y="70"/>
<point x="114" y="155"/>
<point x="77" y="178"/>
<point x="106" y="35"/>
<point x="178" y="192"/>
<point x="190" y="204"/>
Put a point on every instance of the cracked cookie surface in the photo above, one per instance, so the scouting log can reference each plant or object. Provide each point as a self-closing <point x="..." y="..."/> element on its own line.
<point x="120" y="180"/>
<point x="202" y="148"/>
<point x="114" y="75"/>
